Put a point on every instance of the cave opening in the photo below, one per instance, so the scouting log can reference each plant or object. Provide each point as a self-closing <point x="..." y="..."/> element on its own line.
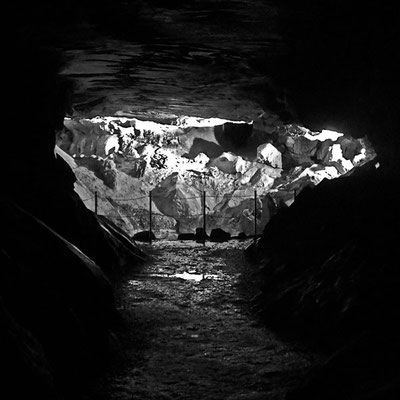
<point x="264" y="132"/>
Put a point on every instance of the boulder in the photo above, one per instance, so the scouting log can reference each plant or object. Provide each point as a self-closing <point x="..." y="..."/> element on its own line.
<point x="201" y="159"/>
<point x="260" y="175"/>
<point x="144" y="236"/>
<point x="186" y="236"/>
<point x="242" y="165"/>
<point x="242" y="236"/>
<point x="104" y="169"/>
<point x="201" y="235"/>
<point x="269" y="154"/>
<point x="315" y="174"/>
<point x="83" y="137"/>
<point x="200" y="140"/>
<point x="322" y="153"/>
<point x="350" y="147"/>
<point x="300" y="149"/>
<point x="219" y="235"/>
<point x="177" y="199"/>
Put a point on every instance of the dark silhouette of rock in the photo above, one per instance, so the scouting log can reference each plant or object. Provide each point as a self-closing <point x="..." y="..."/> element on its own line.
<point x="219" y="235"/>
<point x="121" y="244"/>
<point x="366" y="368"/>
<point x="186" y="236"/>
<point x="350" y="147"/>
<point x="209" y="148"/>
<point x="58" y="318"/>
<point x="57" y="293"/>
<point x="25" y="369"/>
<point x="348" y="69"/>
<point x="201" y="235"/>
<point x="333" y="280"/>
<point x="233" y="135"/>
<point x="144" y="236"/>
<point x="242" y="236"/>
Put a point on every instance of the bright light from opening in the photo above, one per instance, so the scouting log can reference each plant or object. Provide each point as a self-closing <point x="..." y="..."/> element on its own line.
<point x="325" y="134"/>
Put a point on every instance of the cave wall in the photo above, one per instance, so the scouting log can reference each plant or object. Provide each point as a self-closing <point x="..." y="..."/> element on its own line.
<point x="340" y="68"/>
<point x="58" y="317"/>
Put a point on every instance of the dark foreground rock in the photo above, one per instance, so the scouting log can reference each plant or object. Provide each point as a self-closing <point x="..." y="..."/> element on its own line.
<point x="330" y="277"/>
<point x="219" y="235"/>
<point x="144" y="236"/>
<point x="23" y="361"/>
<point x="186" y="236"/>
<point x="60" y="297"/>
<point x="365" y="368"/>
<point x="201" y="235"/>
<point x="58" y="320"/>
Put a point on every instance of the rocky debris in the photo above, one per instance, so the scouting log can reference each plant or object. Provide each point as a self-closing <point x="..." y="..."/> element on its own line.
<point x="176" y="199"/>
<point x="75" y="139"/>
<point x="129" y="210"/>
<point x="334" y="282"/>
<point x="138" y="168"/>
<point x="185" y="157"/>
<point x="299" y="150"/>
<point x="104" y="169"/>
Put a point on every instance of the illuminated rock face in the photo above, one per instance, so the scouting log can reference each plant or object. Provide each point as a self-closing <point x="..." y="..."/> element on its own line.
<point x="269" y="154"/>
<point x="123" y="159"/>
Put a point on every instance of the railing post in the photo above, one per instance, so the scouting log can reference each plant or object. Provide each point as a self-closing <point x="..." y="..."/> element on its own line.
<point x="204" y="217"/>
<point x="255" y="214"/>
<point x="150" y="212"/>
<point x="95" y="203"/>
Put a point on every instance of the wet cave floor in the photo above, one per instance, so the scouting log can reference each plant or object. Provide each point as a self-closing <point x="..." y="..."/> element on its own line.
<point x="191" y="334"/>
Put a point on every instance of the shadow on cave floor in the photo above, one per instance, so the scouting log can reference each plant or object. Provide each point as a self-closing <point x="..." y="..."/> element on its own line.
<point x="190" y="333"/>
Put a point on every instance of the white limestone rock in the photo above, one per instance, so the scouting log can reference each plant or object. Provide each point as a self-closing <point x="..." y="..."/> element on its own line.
<point x="269" y="154"/>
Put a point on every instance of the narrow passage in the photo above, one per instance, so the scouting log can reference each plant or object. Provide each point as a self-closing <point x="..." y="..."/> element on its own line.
<point x="191" y="333"/>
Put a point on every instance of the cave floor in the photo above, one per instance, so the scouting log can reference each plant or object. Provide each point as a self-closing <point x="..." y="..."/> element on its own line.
<point x="191" y="333"/>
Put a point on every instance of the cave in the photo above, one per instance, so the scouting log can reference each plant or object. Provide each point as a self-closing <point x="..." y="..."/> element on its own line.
<point x="203" y="202"/>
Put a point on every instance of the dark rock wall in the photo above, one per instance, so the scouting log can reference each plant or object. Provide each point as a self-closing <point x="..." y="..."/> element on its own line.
<point x="57" y="319"/>
<point x="329" y="277"/>
<point x="329" y="271"/>
<point x="340" y="68"/>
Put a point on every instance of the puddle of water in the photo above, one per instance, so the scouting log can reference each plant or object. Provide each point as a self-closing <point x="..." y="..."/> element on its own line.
<point x="185" y="275"/>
